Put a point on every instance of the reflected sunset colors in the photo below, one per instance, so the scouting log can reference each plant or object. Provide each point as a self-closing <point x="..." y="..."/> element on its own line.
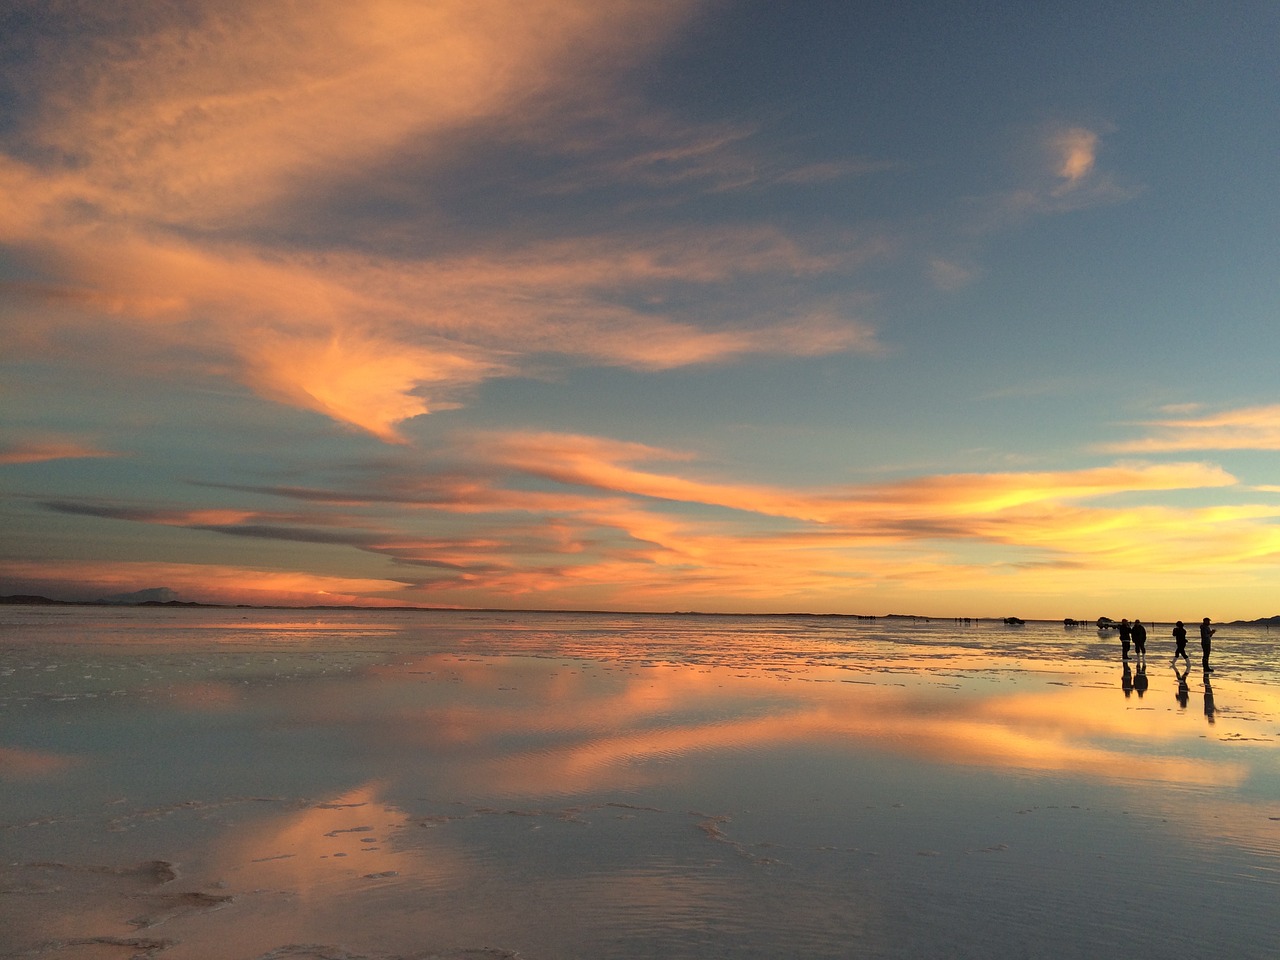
<point x="596" y="729"/>
<point x="617" y="480"/>
<point x="573" y="785"/>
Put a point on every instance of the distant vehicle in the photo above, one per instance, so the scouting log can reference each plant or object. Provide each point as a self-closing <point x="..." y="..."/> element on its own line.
<point x="1105" y="623"/>
<point x="1014" y="621"/>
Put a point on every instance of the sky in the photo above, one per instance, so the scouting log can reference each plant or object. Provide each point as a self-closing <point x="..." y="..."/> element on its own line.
<point x="648" y="305"/>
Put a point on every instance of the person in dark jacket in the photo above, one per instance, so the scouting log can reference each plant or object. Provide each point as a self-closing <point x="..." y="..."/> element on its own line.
<point x="1180" y="638"/>
<point x="1206" y="633"/>
<point x="1139" y="639"/>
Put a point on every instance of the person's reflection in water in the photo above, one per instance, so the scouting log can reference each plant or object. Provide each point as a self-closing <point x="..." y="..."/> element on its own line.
<point x="1184" y="691"/>
<point x="1126" y="680"/>
<point x="1208" y="698"/>
<point x="1140" y="678"/>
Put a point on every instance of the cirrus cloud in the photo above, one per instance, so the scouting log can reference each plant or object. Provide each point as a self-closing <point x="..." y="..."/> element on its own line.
<point x="148" y="208"/>
<point x="1246" y="428"/>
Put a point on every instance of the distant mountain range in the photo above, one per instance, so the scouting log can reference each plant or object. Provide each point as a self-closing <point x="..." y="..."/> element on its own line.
<point x="35" y="601"/>
<point x="118" y="601"/>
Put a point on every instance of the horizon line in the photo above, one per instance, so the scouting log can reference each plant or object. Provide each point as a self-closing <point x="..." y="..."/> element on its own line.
<point x="36" y="600"/>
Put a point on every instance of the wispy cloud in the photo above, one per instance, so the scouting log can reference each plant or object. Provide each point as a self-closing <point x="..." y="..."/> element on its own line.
<point x="49" y="448"/>
<point x="260" y="98"/>
<point x="1066" y="174"/>
<point x="1247" y="428"/>
<point x="570" y="519"/>
<point x="146" y="202"/>
<point x="654" y="151"/>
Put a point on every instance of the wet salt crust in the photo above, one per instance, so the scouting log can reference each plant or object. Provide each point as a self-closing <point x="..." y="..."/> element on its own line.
<point x="350" y="784"/>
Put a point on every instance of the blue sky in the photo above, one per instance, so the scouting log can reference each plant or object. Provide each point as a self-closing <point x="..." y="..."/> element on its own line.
<point x="740" y="306"/>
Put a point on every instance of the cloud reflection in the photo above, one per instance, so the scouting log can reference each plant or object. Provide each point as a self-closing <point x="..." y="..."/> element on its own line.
<point x="20" y="763"/>
<point x="589" y="731"/>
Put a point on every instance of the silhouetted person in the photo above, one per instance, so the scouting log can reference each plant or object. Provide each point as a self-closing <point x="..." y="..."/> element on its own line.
<point x="1208" y="698"/>
<point x="1180" y="638"/>
<point x="1140" y="679"/>
<point x="1139" y="638"/>
<point x="1206" y="633"/>
<point x="1126" y="680"/>
<point x="1126" y="632"/>
<point x="1184" y="692"/>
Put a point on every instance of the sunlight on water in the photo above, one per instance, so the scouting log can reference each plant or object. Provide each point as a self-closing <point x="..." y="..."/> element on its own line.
<point x="237" y="784"/>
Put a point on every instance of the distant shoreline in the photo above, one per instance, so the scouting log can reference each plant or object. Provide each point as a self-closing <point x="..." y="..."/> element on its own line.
<point x="39" y="601"/>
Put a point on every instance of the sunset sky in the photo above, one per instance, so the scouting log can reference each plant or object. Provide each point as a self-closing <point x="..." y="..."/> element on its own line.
<point x="934" y="308"/>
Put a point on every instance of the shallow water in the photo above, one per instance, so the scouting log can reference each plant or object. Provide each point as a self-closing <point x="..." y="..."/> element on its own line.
<point x="185" y="783"/>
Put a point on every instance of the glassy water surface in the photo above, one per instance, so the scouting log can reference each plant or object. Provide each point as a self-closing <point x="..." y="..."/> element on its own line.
<point x="186" y="783"/>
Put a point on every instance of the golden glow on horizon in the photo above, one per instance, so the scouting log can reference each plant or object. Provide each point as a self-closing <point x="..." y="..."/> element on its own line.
<point x="211" y="583"/>
<point x="607" y="535"/>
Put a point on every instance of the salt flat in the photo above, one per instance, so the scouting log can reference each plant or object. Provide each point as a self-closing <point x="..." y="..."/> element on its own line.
<point x="362" y="784"/>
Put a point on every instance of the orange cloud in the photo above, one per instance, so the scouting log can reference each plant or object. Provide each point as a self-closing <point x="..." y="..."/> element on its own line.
<point x="39" y="451"/>
<point x="608" y="534"/>
<point x="1076" y="150"/>
<point x="367" y="381"/>
<point x="591" y="462"/>
<point x="830" y="542"/>
<point x="1248" y="428"/>
<point x="263" y="111"/>
<point x="258" y="96"/>
<point x="373" y="343"/>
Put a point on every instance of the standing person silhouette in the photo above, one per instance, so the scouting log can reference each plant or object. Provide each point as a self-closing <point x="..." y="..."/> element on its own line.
<point x="1206" y="632"/>
<point x="1126" y="632"/>
<point x="1139" y="639"/>
<point x="1180" y="638"/>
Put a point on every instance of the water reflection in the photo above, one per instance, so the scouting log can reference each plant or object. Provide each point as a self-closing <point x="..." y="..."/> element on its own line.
<point x="1183" y="695"/>
<point x="623" y="789"/>
<point x="17" y="763"/>
<point x="516" y="726"/>
<point x="1140" y="681"/>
